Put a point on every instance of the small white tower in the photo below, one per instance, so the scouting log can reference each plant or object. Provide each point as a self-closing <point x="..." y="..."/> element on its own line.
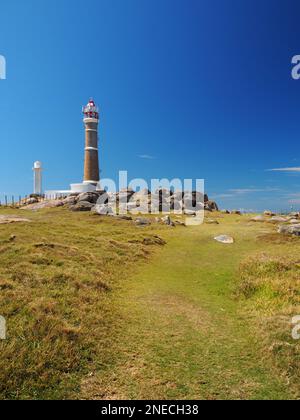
<point x="37" y="185"/>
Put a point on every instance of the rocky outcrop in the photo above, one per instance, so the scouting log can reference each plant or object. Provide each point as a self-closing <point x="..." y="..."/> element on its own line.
<point x="47" y="204"/>
<point x="290" y="229"/>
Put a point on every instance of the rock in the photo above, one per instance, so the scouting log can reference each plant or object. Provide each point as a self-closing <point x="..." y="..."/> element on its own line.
<point x="211" y="222"/>
<point x="167" y="220"/>
<point x="142" y="221"/>
<point x="290" y="229"/>
<point x="12" y="219"/>
<point x="211" y="206"/>
<point x="90" y="197"/>
<point x="238" y="212"/>
<point x="12" y="238"/>
<point x="224" y="239"/>
<point x="269" y="213"/>
<point x="294" y="221"/>
<point x="295" y="215"/>
<point x="259" y="218"/>
<point x="82" y="206"/>
<point x="31" y="200"/>
<point x="225" y="211"/>
<point x="103" y="210"/>
<point x="278" y="219"/>
<point x="71" y="200"/>
<point x="47" y="204"/>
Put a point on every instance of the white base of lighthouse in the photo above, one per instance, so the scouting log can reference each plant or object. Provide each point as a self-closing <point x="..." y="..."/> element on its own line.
<point x="84" y="187"/>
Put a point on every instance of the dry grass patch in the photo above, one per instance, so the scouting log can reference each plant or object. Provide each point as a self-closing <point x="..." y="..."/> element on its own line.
<point x="56" y="281"/>
<point x="270" y="284"/>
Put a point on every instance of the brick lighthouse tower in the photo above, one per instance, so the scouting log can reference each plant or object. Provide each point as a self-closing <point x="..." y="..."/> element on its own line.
<point x="91" y="160"/>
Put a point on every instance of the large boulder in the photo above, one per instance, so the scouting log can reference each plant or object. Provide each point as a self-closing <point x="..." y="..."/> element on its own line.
<point x="211" y="206"/>
<point x="295" y="215"/>
<point x="90" y="197"/>
<point x="103" y="210"/>
<point x="290" y="229"/>
<point x="70" y="201"/>
<point x="82" y="206"/>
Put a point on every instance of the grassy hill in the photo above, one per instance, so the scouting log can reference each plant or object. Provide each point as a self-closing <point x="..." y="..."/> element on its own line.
<point x="97" y="308"/>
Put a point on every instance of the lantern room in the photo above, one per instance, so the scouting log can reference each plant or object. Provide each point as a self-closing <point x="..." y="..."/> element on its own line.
<point x="91" y="110"/>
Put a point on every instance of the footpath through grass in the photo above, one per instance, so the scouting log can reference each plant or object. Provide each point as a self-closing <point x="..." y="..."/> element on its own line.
<point x="184" y="333"/>
<point x="97" y="309"/>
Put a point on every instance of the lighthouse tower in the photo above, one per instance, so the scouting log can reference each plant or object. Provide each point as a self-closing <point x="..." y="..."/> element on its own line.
<point x="91" y="160"/>
<point x="37" y="183"/>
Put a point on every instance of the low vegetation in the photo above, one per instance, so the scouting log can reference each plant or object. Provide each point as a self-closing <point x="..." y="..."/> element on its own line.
<point x="57" y="275"/>
<point x="269" y="284"/>
<point x="97" y="307"/>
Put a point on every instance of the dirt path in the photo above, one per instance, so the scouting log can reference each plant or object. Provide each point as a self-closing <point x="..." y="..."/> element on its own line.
<point x="182" y="335"/>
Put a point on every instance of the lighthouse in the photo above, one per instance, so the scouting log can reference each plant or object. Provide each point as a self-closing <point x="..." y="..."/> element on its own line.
<point x="91" y="175"/>
<point x="91" y="159"/>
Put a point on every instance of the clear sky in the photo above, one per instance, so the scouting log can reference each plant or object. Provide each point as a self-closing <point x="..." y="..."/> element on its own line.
<point x="187" y="88"/>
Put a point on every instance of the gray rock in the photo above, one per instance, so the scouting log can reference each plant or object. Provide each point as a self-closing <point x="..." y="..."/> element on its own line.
<point x="90" y="197"/>
<point x="258" y="218"/>
<point x="211" y="206"/>
<point x="142" y="221"/>
<point x="103" y="210"/>
<point x="71" y="200"/>
<point x="290" y="229"/>
<point x="224" y="239"/>
<point x="238" y="212"/>
<point x="47" y="204"/>
<point x="278" y="219"/>
<point x="269" y="213"/>
<point x="82" y="206"/>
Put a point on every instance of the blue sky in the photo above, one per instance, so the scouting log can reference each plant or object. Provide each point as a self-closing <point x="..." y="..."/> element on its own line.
<point x="189" y="89"/>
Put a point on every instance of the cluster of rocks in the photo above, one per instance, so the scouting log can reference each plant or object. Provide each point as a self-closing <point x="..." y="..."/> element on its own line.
<point x="105" y="203"/>
<point x="287" y="224"/>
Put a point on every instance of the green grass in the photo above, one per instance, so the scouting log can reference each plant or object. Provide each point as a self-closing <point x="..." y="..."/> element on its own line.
<point x="93" y="312"/>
